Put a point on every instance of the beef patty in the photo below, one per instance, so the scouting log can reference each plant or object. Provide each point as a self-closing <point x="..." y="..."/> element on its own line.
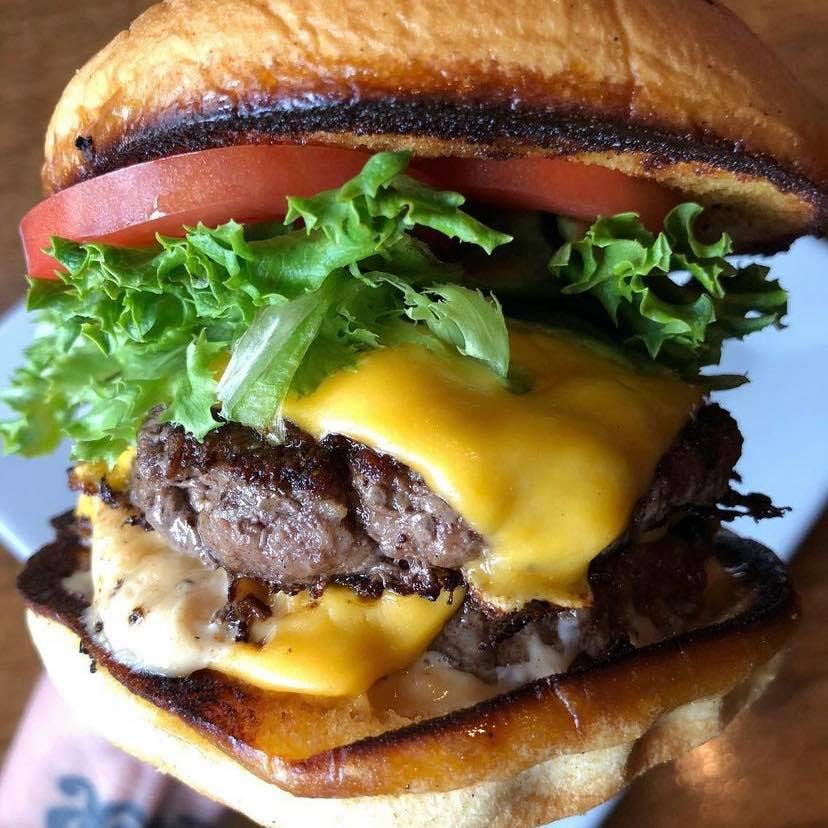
<point x="642" y="594"/>
<point x="308" y="513"/>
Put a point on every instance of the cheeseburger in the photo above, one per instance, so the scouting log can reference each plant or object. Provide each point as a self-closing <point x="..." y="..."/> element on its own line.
<point x="384" y="336"/>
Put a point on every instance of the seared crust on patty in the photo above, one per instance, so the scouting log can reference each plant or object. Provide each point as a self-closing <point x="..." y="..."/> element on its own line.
<point x="308" y="513"/>
<point x="673" y="90"/>
<point x="697" y="469"/>
<point x="643" y="593"/>
<point x="304" y="513"/>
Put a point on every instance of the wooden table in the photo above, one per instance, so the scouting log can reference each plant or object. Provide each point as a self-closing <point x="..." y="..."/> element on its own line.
<point x="771" y="767"/>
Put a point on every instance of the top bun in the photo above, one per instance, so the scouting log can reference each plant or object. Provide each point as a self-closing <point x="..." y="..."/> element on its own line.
<point x="678" y="91"/>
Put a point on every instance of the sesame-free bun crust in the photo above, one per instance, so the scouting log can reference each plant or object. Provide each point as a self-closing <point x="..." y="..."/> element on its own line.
<point x="561" y="786"/>
<point x="679" y="91"/>
<point x="552" y="747"/>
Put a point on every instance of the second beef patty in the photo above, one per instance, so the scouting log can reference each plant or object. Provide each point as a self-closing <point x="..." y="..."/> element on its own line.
<point x="307" y="512"/>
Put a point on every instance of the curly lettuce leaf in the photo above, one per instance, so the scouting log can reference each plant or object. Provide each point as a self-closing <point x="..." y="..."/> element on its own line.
<point x="459" y="316"/>
<point x="268" y="355"/>
<point x="125" y="332"/>
<point x="467" y="319"/>
<point x="681" y="322"/>
<point x="234" y="318"/>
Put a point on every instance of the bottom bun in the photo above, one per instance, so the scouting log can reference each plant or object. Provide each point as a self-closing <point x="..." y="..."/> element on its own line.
<point x="561" y="786"/>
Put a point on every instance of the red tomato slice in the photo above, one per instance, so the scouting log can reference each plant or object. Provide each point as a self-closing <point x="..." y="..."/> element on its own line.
<point x="129" y="206"/>
<point x="553" y="185"/>
<point x="250" y="183"/>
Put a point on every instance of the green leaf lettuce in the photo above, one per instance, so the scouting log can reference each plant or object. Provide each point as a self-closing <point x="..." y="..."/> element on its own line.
<point x="126" y="332"/>
<point x="671" y="294"/>
<point x="229" y="320"/>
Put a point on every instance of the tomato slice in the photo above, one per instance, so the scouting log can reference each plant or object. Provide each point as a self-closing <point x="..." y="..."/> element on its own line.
<point x="129" y="206"/>
<point x="553" y="185"/>
<point x="250" y="183"/>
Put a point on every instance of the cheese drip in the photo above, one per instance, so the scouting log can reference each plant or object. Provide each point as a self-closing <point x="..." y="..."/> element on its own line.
<point x="155" y="609"/>
<point x="549" y="477"/>
<point x="339" y="644"/>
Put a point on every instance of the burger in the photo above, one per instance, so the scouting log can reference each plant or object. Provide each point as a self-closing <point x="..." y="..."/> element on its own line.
<point x="384" y="337"/>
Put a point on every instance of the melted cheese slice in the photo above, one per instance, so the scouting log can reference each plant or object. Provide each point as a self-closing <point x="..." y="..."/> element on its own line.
<point x="117" y="477"/>
<point x="339" y="645"/>
<point x="157" y="608"/>
<point x="549" y="477"/>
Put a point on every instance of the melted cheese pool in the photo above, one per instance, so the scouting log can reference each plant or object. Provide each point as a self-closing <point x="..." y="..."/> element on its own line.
<point x="549" y="477"/>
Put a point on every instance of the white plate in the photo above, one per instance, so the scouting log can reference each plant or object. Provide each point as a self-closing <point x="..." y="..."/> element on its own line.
<point x="782" y="414"/>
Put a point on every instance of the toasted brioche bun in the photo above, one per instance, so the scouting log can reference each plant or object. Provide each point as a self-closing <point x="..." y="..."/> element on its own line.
<point x="679" y="91"/>
<point x="553" y="747"/>
<point x="565" y="785"/>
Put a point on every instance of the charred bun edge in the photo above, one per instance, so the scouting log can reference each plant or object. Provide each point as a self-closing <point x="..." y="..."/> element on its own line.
<point x="561" y="786"/>
<point x="569" y="713"/>
<point x="491" y="128"/>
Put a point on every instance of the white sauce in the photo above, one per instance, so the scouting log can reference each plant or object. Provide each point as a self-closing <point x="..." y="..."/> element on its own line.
<point x="79" y="583"/>
<point x="429" y="687"/>
<point x="545" y="659"/>
<point x="153" y="608"/>
<point x="642" y="631"/>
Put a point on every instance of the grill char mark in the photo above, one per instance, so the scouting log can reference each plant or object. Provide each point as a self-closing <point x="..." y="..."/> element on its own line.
<point x="492" y="124"/>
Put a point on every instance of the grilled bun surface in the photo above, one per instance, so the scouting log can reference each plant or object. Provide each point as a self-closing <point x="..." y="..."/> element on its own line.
<point x="560" y="786"/>
<point x="607" y="720"/>
<point x="680" y="92"/>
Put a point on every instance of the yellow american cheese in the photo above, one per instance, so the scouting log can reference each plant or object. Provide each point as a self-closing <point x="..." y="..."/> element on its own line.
<point x="338" y="645"/>
<point x="92" y="473"/>
<point x="117" y="477"/>
<point x="549" y="477"/>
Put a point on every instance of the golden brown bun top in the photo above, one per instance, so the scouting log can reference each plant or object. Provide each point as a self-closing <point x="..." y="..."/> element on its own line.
<point x="675" y="90"/>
